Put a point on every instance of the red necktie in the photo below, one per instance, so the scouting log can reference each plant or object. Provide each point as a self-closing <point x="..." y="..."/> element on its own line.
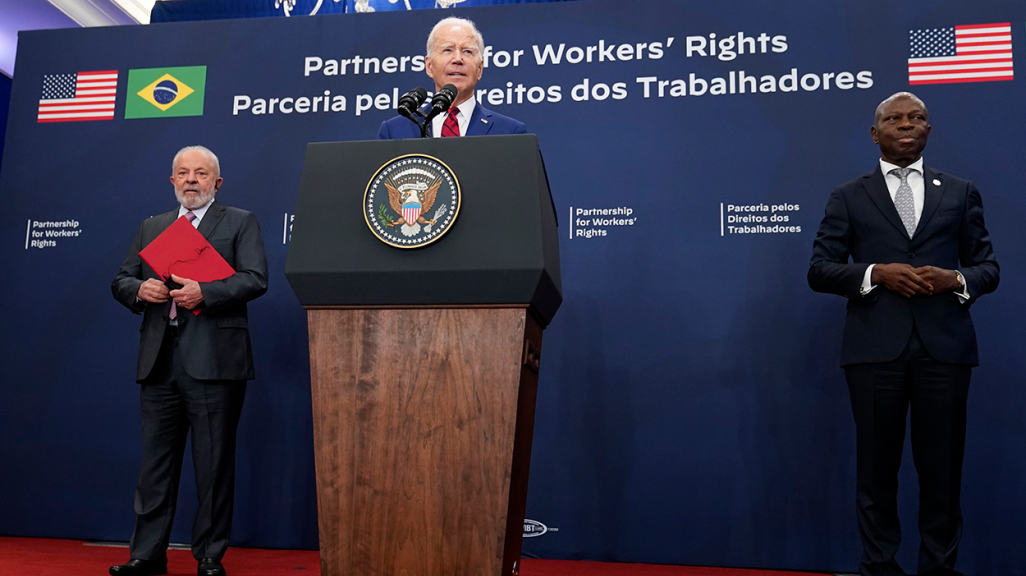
<point x="173" y="313"/>
<point x="451" y="127"/>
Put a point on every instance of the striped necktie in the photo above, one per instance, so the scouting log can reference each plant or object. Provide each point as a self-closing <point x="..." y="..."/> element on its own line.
<point x="173" y="313"/>
<point x="451" y="127"/>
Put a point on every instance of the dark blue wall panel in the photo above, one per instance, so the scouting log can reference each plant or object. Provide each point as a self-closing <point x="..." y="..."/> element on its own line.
<point x="691" y="409"/>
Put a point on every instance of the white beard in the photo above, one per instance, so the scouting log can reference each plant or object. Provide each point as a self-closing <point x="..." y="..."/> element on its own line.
<point x="194" y="202"/>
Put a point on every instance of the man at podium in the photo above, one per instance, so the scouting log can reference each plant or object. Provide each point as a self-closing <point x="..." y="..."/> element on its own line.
<point x="192" y="367"/>
<point x="455" y="51"/>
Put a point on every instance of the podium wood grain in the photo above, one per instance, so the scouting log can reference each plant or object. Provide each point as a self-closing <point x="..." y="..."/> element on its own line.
<point x="422" y="428"/>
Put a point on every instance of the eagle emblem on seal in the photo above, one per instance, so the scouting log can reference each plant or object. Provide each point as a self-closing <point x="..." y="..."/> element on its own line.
<point x="411" y="201"/>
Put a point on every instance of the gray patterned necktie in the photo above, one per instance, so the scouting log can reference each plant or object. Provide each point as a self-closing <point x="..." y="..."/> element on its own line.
<point x="903" y="200"/>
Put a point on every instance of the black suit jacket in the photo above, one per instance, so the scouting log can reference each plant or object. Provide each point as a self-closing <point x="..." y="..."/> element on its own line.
<point x="215" y="345"/>
<point x="861" y="223"/>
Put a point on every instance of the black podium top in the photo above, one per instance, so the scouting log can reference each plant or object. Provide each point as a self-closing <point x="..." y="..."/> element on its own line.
<point x="501" y="249"/>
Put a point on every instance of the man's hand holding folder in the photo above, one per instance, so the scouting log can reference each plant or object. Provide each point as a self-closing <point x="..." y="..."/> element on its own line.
<point x="183" y="258"/>
<point x="189" y="296"/>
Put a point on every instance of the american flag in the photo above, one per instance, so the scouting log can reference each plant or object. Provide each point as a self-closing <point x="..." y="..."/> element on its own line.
<point x="977" y="53"/>
<point x="81" y="96"/>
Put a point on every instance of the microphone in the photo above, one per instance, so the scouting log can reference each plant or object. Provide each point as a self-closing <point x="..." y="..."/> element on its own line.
<point x="442" y="100"/>
<point x="411" y="101"/>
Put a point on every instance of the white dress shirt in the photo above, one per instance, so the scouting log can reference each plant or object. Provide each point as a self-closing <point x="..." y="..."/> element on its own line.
<point x="463" y="117"/>
<point x="199" y="212"/>
<point x="915" y="181"/>
<point x="918" y="184"/>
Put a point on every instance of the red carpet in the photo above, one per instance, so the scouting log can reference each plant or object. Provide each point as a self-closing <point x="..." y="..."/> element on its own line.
<point x="575" y="568"/>
<point x="50" y="557"/>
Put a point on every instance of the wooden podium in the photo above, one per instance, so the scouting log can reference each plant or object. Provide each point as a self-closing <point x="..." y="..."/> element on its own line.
<point x="424" y="362"/>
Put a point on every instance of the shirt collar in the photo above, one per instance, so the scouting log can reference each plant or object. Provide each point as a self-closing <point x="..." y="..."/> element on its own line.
<point x="467" y="107"/>
<point x="199" y="212"/>
<point x="886" y="166"/>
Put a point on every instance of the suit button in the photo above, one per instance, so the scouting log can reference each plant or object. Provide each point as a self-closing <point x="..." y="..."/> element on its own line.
<point x="911" y="254"/>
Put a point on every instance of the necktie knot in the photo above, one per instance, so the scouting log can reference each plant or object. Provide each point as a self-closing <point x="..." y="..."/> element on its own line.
<point x="903" y="173"/>
<point x="190" y="216"/>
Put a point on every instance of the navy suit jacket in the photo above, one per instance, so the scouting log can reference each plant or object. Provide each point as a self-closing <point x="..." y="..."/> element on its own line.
<point x="861" y="223"/>
<point x="215" y="345"/>
<point x="483" y="121"/>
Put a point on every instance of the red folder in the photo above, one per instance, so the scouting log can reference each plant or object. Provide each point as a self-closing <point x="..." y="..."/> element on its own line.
<point x="181" y="250"/>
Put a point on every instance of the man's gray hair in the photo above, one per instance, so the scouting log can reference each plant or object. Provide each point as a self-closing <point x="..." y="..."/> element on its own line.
<point x="461" y="22"/>
<point x="895" y="96"/>
<point x="203" y="149"/>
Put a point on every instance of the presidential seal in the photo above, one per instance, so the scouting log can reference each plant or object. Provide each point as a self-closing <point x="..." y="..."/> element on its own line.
<point x="411" y="201"/>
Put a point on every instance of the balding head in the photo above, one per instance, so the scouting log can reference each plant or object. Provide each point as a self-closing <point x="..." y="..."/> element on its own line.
<point x="896" y="96"/>
<point x="454" y="21"/>
<point x="202" y="149"/>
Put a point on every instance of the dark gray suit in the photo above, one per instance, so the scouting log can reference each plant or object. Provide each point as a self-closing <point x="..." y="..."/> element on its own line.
<point x="193" y="377"/>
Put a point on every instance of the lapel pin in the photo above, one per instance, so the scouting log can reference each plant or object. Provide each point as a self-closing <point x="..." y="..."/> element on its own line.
<point x="483" y="121"/>
<point x="936" y="182"/>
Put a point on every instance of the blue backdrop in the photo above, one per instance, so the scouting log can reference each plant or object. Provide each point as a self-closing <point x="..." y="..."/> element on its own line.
<point x="691" y="409"/>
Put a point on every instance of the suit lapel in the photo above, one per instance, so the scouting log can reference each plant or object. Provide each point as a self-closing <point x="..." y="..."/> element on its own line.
<point x="210" y="219"/>
<point x="480" y="121"/>
<point x="931" y="196"/>
<point x="166" y="219"/>
<point x="876" y="188"/>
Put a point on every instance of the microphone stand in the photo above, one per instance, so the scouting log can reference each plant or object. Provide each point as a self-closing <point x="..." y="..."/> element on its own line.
<point x="425" y="128"/>
<point x="441" y="102"/>
<point x="424" y="124"/>
<point x="449" y="91"/>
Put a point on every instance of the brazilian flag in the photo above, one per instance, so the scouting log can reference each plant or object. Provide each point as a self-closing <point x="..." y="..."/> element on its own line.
<point x="165" y="92"/>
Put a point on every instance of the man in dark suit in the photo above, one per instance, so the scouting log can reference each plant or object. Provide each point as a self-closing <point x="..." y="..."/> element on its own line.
<point x="920" y="257"/>
<point x="193" y="368"/>
<point x="454" y="56"/>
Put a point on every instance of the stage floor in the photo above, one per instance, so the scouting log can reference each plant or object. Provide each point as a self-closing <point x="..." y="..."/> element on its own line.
<point x="54" y="557"/>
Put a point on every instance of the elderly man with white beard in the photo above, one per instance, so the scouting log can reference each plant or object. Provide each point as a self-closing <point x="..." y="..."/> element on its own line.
<point x="192" y="368"/>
